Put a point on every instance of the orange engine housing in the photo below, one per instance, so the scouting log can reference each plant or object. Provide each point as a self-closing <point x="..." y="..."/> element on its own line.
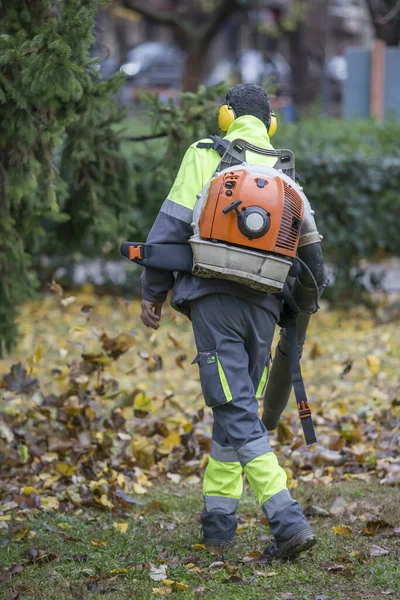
<point x="283" y="203"/>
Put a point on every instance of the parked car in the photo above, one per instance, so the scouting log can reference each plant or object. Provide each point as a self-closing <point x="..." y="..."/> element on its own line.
<point x="154" y="65"/>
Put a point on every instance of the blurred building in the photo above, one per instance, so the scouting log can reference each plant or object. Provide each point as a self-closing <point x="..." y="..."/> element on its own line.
<point x="300" y="46"/>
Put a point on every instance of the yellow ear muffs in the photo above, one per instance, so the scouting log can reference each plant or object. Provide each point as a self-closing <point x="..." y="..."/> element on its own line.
<point x="273" y="126"/>
<point x="226" y="116"/>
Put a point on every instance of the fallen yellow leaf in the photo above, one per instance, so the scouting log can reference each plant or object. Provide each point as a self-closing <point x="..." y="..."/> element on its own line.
<point x="174" y="439"/>
<point x="119" y="571"/>
<point x="374" y="364"/>
<point x="74" y="497"/>
<point x="48" y="457"/>
<point x="67" y="301"/>
<point x="49" y="503"/>
<point x="29" y="490"/>
<point x="121" y="527"/>
<point x="142" y="402"/>
<point x="162" y="591"/>
<point x="121" y="480"/>
<point x="22" y="534"/>
<point x="143" y="480"/>
<point x="98" y="543"/>
<point x="343" y="530"/>
<point x="139" y="489"/>
<point x="38" y="353"/>
<point x="198" y="547"/>
<point x="181" y="586"/>
<point x="65" y="469"/>
<point x="104" y="501"/>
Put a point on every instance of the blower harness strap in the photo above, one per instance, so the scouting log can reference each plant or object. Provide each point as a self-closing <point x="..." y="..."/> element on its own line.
<point x="288" y="321"/>
<point x="221" y="146"/>
<point x="171" y="257"/>
<point x="218" y="144"/>
<point x="298" y="386"/>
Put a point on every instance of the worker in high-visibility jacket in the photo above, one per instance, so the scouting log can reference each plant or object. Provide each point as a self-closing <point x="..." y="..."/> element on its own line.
<point x="233" y="327"/>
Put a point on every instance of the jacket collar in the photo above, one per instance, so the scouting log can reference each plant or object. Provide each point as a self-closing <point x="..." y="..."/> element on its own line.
<point x="251" y="129"/>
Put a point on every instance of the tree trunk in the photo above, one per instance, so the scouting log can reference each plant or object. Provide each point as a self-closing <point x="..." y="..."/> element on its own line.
<point x="299" y="64"/>
<point x="193" y="69"/>
<point x="389" y="32"/>
<point x="386" y="22"/>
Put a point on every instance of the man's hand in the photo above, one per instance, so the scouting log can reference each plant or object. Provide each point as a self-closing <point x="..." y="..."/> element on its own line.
<point x="151" y="314"/>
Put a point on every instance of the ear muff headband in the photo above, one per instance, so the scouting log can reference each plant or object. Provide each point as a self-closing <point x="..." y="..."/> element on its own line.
<point x="226" y="116"/>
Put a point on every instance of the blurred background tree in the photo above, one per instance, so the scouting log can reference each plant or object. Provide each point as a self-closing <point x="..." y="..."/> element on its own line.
<point x="195" y="24"/>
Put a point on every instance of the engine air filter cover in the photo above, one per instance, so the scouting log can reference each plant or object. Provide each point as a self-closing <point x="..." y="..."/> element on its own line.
<point x="254" y="222"/>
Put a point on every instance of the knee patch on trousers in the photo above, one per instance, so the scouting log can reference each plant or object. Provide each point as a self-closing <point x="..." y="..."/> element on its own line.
<point x="265" y="476"/>
<point x="223" y="479"/>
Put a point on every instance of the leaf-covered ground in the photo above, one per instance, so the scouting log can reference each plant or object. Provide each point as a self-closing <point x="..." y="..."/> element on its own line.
<point x="153" y="551"/>
<point x="104" y="437"/>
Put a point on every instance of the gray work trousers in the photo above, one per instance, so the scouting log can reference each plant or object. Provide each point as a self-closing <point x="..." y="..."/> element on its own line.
<point x="233" y="339"/>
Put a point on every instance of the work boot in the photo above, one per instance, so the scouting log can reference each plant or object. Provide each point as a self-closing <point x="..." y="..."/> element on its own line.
<point x="292" y="547"/>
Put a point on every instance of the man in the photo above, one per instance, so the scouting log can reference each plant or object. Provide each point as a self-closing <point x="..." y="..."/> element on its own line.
<point x="233" y="328"/>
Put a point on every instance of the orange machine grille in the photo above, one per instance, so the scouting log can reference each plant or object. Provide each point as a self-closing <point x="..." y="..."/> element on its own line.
<point x="292" y="209"/>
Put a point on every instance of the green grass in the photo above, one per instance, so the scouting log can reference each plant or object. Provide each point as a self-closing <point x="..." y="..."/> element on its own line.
<point x="168" y="523"/>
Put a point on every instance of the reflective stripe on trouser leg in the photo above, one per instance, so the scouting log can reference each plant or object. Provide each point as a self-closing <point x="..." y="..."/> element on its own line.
<point x="222" y="487"/>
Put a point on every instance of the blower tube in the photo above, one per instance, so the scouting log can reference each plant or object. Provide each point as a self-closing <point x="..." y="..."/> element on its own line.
<point x="306" y="290"/>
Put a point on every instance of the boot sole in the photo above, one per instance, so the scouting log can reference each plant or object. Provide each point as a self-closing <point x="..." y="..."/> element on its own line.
<point x="296" y="549"/>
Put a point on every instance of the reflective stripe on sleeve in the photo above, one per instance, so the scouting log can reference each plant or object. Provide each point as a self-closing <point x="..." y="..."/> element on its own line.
<point x="182" y="213"/>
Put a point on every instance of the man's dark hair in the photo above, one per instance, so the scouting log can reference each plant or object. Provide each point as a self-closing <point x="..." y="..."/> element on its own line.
<point x="250" y="99"/>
